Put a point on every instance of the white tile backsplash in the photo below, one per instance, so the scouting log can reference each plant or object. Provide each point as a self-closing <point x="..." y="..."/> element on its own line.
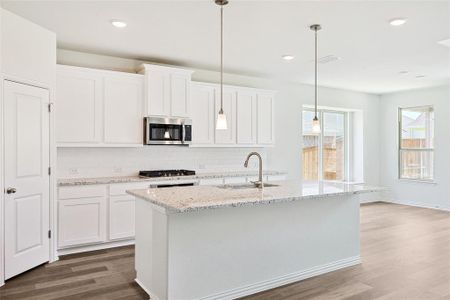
<point x="99" y="162"/>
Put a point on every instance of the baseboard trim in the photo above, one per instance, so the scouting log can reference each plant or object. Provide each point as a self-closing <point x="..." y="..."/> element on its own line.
<point x="87" y="248"/>
<point x="151" y="295"/>
<point x="420" y="205"/>
<point x="286" y="279"/>
<point x="273" y="283"/>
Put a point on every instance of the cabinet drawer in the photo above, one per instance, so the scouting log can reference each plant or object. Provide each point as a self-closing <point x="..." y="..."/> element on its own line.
<point x="86" y="191"/>
<point x="121" y="188"/>
<point x="81" y="221"/>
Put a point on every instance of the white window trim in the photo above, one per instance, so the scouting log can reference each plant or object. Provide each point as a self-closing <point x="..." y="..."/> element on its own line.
<point x="400" y="149"/>
<point x="347" y="138"/>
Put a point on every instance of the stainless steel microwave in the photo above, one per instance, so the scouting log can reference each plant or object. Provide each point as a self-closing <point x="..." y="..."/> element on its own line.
<point x="167" y="131"/>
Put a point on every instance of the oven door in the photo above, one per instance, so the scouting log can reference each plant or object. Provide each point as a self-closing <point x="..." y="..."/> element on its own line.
<point x="164" y="131"/>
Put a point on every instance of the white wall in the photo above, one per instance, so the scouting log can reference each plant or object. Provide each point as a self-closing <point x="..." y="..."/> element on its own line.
<point x="28" y="51"/>
<point x="435" y="195"/>
<point x="100" y="162"/>
<point x="286" y="155"/>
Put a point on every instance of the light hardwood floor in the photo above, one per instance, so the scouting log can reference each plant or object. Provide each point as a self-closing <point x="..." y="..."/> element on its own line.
<point x="405" y="255"/>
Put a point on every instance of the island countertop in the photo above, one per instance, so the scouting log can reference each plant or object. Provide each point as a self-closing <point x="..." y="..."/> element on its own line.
<point x="193" y="198"/>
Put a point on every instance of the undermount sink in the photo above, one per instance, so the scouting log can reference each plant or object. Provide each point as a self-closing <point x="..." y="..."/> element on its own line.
<point x="245" y="186"/>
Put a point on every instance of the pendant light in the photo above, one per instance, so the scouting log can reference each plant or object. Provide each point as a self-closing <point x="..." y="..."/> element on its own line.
<point x="221" y="117"/>
<point x="316" y="121"/>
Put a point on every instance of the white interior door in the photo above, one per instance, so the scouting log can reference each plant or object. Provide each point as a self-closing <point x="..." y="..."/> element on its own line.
<point x="26" y="177"/>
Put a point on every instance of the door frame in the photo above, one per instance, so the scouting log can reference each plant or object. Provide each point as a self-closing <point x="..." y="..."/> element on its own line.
<point x="53" y="256"/>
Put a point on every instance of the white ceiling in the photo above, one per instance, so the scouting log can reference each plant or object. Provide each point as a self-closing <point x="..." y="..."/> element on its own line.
<point x="258" y="33"/>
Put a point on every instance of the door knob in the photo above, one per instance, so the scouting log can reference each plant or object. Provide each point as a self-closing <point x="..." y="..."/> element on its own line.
<point x="11" y="190"/>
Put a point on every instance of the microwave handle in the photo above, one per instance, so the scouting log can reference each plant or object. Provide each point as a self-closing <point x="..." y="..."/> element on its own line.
<point x="183" y="133"/>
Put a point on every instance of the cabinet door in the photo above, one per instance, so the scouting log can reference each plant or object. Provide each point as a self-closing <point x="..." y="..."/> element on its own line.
<point x="179" y="94"/>
<point x="81" y="221"/>
<point x="265" y="119"/>
<point x="246" y="117"/>
<point x="158" y="89"/>
<point x="121" y="217"/>
<point x="78" y="106"/>
<point x="227" y="136"/>
<point x="123" y="103"/>
<point x="202" y="113"/>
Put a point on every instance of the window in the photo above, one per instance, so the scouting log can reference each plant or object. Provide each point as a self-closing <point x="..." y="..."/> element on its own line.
<point x="416" y="143"/>
<point x="324" y="153"/>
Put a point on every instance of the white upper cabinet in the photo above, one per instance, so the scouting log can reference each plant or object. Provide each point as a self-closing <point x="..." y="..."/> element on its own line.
<point x="167" y="91"/>
<point x="158" y="98"/>
<point x="265" y="124"/>
<point x="249" y="113"/>
<point x="180" y="84"/>
<point x="78" y="108"/>
<point x="246" y="117"/>
<point x="97" y="108"/>
<point x="202" y="113"/>
<point x="227" y="136"/>
<point x="123" y="103"/>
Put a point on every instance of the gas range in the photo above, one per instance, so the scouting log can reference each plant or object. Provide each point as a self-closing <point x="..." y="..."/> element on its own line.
<point x="166" y="173"/>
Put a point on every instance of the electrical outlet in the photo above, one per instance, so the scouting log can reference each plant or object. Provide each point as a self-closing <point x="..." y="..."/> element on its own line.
<point x="117" y="170"/>
<point x="73" y="171"/>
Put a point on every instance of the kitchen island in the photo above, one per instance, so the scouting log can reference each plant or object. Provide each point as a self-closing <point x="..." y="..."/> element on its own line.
<point x="224" y="242"/>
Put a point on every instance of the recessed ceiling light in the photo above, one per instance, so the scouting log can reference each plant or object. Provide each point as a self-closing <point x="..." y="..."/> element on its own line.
<point x="397" y="22"/>
<point x="118" y="23"/>
<point x="420" y="76"/>
<point x="403" y="72"/>
<point x="288" y="57"/>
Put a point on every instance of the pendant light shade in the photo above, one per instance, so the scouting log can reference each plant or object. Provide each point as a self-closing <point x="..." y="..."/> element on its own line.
<point x="315" y="121"/>
<point x="316" y="125"/>
<point x="221" y="123"/>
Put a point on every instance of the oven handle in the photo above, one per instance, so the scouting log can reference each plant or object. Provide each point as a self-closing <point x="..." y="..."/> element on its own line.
<point x="174" y="183"/>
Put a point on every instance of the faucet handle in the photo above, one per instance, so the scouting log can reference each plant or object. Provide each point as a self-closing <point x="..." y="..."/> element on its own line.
<point x="258" y="184"/>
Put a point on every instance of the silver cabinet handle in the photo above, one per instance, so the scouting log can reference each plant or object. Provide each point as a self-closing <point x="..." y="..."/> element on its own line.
<point x="11" y="190"/>
<point x="183" y="133"/>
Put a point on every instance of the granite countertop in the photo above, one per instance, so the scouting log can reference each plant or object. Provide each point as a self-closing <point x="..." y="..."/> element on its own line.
<point x="125" y="179"/>
<point x="194" y="198"/>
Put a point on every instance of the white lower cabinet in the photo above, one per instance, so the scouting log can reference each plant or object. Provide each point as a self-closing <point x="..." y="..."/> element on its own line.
<point x="96" y="214"/>
<point x="121" y="217"/>
<point x="81" y="221"/>
<point x="104" y="215"/>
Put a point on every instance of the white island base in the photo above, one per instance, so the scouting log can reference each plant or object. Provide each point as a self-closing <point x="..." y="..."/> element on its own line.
<point x="230" y="252"/>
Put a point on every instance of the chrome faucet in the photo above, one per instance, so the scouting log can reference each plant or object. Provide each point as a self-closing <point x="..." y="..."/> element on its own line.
<point x="259" y="183"/>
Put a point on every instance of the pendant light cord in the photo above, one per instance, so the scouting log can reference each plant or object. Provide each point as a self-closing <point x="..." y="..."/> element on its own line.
<point x="315" y="77"/>
<point x="221" y="59"/>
